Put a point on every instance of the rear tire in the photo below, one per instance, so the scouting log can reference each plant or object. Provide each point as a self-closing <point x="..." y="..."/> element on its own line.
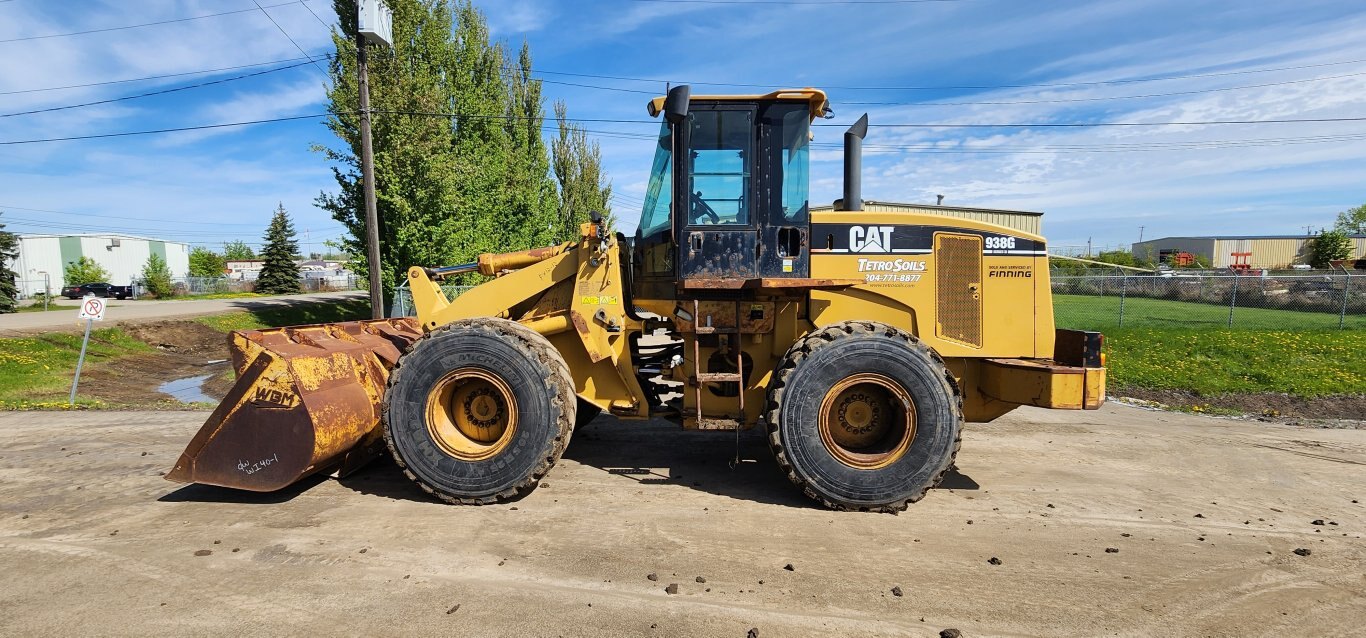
<point x="477" y="411"/>
<point x="863" y="416"/>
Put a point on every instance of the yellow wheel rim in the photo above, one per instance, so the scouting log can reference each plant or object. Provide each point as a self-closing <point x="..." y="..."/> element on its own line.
<point x="471" y="414"/>
<point x="867" y="421"/>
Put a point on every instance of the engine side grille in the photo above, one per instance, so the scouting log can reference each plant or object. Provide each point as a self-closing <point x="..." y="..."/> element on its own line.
<point x="958" y="288"/>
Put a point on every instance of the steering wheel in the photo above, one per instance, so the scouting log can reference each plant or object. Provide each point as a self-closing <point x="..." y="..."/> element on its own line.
<point x="701" y="207"/>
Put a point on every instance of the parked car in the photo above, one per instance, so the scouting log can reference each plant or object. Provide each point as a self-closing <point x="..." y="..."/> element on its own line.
<point x="98" y="289"/>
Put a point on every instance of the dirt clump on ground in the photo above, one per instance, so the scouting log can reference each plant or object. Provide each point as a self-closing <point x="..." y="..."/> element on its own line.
<point x="1266" y="404"/>
<point x="183" y="349"/>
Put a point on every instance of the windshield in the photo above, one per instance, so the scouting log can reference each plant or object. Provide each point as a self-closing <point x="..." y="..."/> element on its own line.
<point x="654" y="217"/>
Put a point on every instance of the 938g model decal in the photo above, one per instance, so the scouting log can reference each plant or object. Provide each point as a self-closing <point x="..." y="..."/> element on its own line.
<point x="911" y="240"/>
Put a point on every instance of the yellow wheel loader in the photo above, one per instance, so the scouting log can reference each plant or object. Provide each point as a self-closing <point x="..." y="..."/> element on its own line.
<point x="859" y="341"/>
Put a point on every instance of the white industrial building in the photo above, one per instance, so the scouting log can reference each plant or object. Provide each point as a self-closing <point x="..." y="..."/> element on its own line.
<point x="122" y="255"/>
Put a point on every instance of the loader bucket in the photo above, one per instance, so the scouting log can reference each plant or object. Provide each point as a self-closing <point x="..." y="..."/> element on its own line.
<point x="307" y="399"/>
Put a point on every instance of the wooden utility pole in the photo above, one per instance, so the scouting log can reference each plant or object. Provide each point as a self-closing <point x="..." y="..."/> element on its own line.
<point x="367" y="172"/>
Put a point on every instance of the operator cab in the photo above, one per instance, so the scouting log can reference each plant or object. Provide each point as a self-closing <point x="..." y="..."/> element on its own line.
<point x="734" y="212"/>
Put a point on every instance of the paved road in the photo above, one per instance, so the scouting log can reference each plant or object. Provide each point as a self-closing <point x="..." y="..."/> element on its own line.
<point x="134" y="310"/>
<point x="1205" y="515"/>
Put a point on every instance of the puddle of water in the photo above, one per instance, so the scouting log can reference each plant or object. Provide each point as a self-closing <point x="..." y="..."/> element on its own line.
<point x="187" y="390"/>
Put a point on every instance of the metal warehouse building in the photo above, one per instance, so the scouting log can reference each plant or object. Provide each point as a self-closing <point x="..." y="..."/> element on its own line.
<point x="122" y="255"/>
<point x="1017" y="219"/>
<point x="1251" y="251"/>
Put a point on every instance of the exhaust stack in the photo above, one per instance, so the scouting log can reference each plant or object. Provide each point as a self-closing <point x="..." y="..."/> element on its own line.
<point x="853" y="164"/>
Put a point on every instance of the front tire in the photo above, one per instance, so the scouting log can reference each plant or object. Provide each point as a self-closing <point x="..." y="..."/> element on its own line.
<point x="477" y="411"/>
<point x="863" y="416"/>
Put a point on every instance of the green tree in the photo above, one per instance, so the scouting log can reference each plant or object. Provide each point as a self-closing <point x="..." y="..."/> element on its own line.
<point x="84" y="271"/>
<point x="532" y="205"/>
<point x="1329" y="245"/>
<point x="1352" y="221"/>
<point x="1117" y="257"/>
<point x="238" y="250"/>
<point x="279" y="274"/>
<point x="206" y="263"/>
<point x="156" y="277"/>
<point x="9" y="251"/>
<point x="461" y="166"/>
<point x="578" y="169"/>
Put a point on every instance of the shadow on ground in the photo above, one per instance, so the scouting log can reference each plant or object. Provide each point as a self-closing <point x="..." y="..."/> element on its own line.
<point x="214" y="494"/>
<point x="296" y="311"/>
<point x="648" y="453"/>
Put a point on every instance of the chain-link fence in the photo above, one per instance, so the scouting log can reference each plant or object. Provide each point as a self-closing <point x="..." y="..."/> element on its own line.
<point x="1101" y="298"/>
<point x="403" y="298"/>
<point x="222" y="285"/>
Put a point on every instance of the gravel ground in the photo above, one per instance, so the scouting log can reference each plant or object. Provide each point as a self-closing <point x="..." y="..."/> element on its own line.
<point x="1116" y="522"/>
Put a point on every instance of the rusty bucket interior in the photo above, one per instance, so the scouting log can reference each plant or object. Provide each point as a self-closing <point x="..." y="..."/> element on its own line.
<point x="307" y="399"/>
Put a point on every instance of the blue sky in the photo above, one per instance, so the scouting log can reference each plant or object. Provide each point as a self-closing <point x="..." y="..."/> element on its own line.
<point x="1253" y="61"/>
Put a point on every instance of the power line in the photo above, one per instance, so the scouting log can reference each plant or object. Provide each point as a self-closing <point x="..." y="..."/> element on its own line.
<point x="811" y="3"/>
<point x="4" y="207"/>
<point x="286" y="34"/>
<point x="164" y="130"/>
<point x="655" y="123"/>
<point x="138" y="26"/>
<point x="152" y="93"/>
<point x="965" y="87"/>
<point x="157" y="77"/>
<point x="310" y="10"/>
<point x="1319" y="120"/>
<point x="1103" y="99"/>
<point x="932" y="148"/>
<point x="71" y="226"/>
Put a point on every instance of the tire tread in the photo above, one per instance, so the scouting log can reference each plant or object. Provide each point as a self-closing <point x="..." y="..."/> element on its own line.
<point x="563" y="404"/>
<point x="824" y="336"/>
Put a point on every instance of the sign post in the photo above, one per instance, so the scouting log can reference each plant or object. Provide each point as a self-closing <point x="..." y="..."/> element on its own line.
<point x="92" y="310"/>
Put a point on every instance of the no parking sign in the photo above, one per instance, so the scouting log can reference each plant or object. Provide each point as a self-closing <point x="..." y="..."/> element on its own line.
<point x="92" y="308"/>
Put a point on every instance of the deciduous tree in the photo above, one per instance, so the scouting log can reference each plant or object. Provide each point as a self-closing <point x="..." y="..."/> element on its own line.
<point x="578" y="169"/>
<point x="1352" y="221"/>
<point x="461" y="165"/>
<point x="84" y="271"/>
<point x="238" y="250"/>
<point x="206" y="263"/>
<point x="1328" y="246"/>
<point x="156" y="277"/>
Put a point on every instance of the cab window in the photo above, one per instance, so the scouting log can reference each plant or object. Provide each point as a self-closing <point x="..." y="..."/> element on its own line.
<point x="722" y="160"/>
<point x="654" y="217"/>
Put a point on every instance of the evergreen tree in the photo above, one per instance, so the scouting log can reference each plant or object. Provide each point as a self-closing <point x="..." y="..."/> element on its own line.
<point x="9" y="251"/>
<point x="156" y="277"/>
<point x="578" y="169"/>
<point x="238" y="250"/>
<point x="279" y="274"/>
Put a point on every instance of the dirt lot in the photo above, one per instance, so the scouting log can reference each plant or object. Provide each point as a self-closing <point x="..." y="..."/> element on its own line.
<point x="1205" y="515"/>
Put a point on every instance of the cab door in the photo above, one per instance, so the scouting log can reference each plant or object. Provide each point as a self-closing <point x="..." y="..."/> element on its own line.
<point x="715" y="194"/>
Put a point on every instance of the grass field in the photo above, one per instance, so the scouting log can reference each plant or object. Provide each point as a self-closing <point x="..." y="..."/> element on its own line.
<point x="34" y="370"/>
<point x="1174" y="345"/>
<point x="32" y="367"/>
<point x="1084" y="312"/>
<point x="346" y="310"/>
